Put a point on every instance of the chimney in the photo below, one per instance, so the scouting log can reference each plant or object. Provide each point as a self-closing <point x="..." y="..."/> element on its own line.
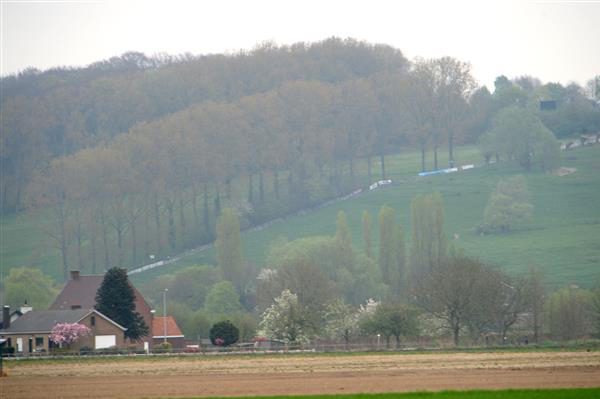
<point x="74" y="274"/>
<point x="6" y="317"/>
<point x="26" y="308"/>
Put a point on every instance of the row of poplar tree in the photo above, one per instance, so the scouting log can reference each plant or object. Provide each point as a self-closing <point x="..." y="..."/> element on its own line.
<point x="134" y="158"/>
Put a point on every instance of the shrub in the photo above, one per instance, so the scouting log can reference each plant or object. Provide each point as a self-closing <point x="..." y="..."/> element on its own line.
<point x="224" y="333"/>
<point x="164" y="347"/>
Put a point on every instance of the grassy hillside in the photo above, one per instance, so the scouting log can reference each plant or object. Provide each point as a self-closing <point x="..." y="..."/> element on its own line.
<point x="562" y="239"/>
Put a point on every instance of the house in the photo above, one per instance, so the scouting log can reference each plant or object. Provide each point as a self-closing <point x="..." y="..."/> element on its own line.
<point x="30" y="332"/>
<point x="80" y="293"/>
<point x="173" y="335"/>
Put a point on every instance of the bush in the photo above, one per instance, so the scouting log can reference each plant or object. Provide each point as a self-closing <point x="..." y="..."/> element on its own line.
<point x="163" y="347"/>
<point x="224" y="333"/>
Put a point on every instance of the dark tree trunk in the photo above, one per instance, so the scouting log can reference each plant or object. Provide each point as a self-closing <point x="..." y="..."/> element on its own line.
<point x="171" y="221"/>
<point x="217" y="201"/>
<point x="133" y="245"/>
<point x="182" y="217"/>
<point x="250" y="188"/>
<point x="435" y="158"/>
<point x="63" y="240"/>
<point x="196" y="227"/>
<point x="93" y="242"/>
<point x="119" y="231"/>
<point x="422" y="158"/>
<point x="261" y="186"/>
<point x="228" y="188"/>
<point x="290" y="180"/>
<point x="451" y="150"/>
<point x="157" y="224"/>
<point x="276" y="183"/>
<point x="352" y="172"/>
<point x="146" y="229"/>
<point x="382" y="161"/>
<point x="105" y="240"/>
<point x="206" y="211"/>
<point x="369" y="171"/>
<point x="455" y="333"/>
<point x="79" y="242"/>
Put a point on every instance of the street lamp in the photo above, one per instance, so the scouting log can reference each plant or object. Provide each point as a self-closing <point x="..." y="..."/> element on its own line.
<point x="165" y="315"/>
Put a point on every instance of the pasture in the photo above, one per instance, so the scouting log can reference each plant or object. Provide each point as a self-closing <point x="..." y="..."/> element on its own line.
<point x="562" y="239"/>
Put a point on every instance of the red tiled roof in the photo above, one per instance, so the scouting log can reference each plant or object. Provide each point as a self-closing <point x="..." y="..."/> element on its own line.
<point x="158" y="327"/>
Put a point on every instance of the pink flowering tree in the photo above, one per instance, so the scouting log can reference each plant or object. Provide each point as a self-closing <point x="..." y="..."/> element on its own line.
<point x="67" y="333"/>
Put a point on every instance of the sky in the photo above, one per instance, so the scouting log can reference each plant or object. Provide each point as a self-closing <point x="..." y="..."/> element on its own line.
<point x="557" y="41"/>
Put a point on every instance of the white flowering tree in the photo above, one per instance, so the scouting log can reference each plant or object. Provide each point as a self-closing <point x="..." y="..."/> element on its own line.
<point x="285" y="320"/>
<point x="341" y="320"/>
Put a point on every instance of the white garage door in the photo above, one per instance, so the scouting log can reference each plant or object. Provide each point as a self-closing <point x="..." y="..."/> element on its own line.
<point x="105" y="341"/>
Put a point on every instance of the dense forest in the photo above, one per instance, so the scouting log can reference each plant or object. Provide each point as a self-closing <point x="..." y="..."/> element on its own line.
<point x="136" y="156"/>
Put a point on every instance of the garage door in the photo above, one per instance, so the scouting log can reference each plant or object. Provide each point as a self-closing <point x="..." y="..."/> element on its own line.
<point x="105" y="341"/>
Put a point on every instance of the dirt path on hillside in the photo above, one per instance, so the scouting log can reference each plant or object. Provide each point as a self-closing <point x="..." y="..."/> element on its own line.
<point x="287" y="375"/>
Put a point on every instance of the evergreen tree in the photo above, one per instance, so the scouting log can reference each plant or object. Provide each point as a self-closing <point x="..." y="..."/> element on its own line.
<point x="229" y="247"/>
<point x="224" y="333"/>
<point x="116" y="300"/>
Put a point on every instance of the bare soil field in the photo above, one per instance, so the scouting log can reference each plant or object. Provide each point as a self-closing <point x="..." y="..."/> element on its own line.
<point x="195" y="376"/>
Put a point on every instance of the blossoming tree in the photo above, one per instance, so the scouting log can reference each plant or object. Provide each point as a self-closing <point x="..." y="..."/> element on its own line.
<point x="68" y="333"/>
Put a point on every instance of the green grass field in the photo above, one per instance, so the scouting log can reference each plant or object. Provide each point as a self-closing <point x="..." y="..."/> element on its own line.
<point x="562" y="239"/>
<point x="581" y="393"/>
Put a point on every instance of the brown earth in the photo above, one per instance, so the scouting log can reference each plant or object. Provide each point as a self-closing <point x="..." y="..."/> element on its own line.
<point x="296" y="375"/>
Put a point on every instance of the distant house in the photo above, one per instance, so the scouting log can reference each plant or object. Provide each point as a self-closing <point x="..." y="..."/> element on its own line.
<point x="30" y="332"/>
<point x="173" y="335"/>
<point x="80" y="293"/>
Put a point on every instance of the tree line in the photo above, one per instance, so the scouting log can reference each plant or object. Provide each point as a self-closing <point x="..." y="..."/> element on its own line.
<point x="322" y="288"/>
<point x="279" y="129"/>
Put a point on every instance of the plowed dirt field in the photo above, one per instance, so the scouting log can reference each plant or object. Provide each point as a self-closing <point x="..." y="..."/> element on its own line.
<point x="197" y="376"/>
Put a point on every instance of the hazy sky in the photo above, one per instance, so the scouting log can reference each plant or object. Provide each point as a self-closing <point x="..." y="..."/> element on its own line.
<point x="552" y="40"/>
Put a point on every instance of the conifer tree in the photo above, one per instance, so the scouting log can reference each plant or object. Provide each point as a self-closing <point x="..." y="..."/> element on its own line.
<point x="116" y="300"/>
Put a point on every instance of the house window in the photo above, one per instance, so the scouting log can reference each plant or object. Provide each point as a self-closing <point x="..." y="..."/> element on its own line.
<point x="93" y="320"/>
<point x="39" y="341"/>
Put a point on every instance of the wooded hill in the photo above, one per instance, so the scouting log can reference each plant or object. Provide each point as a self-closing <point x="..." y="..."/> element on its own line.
<point x="136" y="156"/>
